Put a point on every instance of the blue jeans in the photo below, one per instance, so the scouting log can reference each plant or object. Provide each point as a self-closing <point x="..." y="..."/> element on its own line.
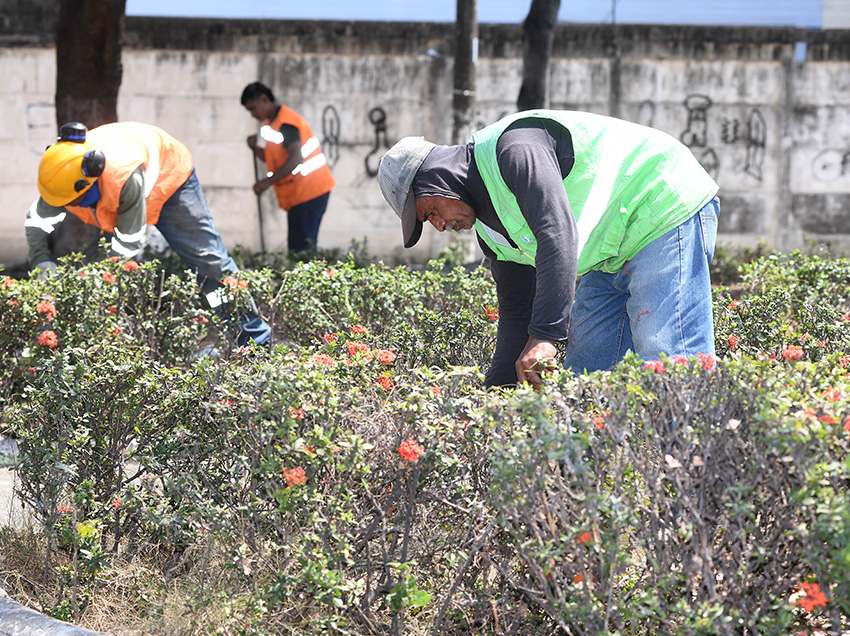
<point x="303" y="223"/>
<point x="186" y="223"/>
<point x="660" y="302"/>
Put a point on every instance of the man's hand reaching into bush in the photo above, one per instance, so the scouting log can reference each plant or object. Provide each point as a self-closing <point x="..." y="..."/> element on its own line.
<point x="537" y="357"/>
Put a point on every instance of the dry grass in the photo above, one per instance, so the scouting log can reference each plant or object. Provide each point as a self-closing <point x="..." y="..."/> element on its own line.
<point x="130" y="598"/>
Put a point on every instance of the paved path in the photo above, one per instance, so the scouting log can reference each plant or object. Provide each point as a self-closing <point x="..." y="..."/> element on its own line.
<point x="11" y="513"/>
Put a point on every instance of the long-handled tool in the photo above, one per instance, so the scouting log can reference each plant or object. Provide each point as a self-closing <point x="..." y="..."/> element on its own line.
<point x="259" y="203"/>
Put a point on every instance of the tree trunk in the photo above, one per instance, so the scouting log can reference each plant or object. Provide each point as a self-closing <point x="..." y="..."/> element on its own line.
<point x="88" y="76"/>
<point x="463" y="99"/>
<point x="88" y="61"/>
<point x="538" y="33"/>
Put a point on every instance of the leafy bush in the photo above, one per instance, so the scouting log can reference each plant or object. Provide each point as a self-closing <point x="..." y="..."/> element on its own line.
<point x="356" y="478"/>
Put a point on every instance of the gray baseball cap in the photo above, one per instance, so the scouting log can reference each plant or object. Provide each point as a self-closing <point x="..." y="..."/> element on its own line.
<point x="395" y="176"/>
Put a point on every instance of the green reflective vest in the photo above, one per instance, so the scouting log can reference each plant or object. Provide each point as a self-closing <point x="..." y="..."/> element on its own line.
<point x="630" y="184"/>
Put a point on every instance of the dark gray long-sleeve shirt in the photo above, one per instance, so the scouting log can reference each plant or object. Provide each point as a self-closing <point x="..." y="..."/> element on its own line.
<point x="534" y="157"/>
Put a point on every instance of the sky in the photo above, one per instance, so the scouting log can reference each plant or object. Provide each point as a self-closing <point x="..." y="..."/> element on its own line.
<point x="799" y="13"/>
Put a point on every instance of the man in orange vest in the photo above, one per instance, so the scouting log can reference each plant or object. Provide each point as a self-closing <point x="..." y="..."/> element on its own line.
<point x="121" y="178"/>
<point x="297" y="168"/>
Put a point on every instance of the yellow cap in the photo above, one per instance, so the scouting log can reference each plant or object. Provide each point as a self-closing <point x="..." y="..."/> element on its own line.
<point x="60" y="173"/>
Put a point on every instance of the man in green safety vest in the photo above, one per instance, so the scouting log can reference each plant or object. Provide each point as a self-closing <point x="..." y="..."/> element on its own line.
<point x="553" y="195"/>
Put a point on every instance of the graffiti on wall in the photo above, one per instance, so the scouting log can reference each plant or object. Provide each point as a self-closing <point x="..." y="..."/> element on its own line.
<point x="695" y="136"/>
<point x="756" y="139"/>
<point x="831" y="165"/>
<point x="378" y="118"/>
<point x="330" y="134"/>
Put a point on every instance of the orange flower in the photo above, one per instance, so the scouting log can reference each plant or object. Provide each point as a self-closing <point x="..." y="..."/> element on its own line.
<point x="677" y="359"/>
<point x="8" y="282"/>
<point x="793" y="352"/>
<point x="330" y="338"/>
<point x="706" y="360"/>
<point x="655" y="365"/>
<point x="584" y="537"/>
<point x="734" y="305"/>
<point x="298" y="414"/>
<point x="48" y="339"/>
<point x="831" y="394"/>
<point x="112" y="309"/>
<point x="231" y="282"/>
<point x="812" y="597"/>
<point x="330" y="272"/>
<point x="435" y="391"/>
<point x="410" y="450"/>
<point x="847" y="424"/>
<point x="385" y="383"/>
<point x="386" y="356"/>
<point x="325" y="359"/>
<point x="358" y="330"/>
<point x="47" y="308"/>
<point x="109" y="277"/>
<point x="117" y="503"/>
<point x="491" y="312"/>
<point x="294" y="476"/>
<point x="733" y="341"/>
<point x="599" y="419"/>
<point x="129" y="266"/>
<point x="357" y="347"/>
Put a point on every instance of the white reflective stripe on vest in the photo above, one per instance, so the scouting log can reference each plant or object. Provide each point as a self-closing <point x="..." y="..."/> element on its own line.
<point x="308" y="148"/>
<point x="119" y="247"/>
<point x="152" y="169"/>
<point x="271" y="135"/>
<point x="495" y="236"/>
<point x="605" y="179"/>
<point x="46" y="225"/>
<point x="312" y="164"/>
<point x="131" y="238"/>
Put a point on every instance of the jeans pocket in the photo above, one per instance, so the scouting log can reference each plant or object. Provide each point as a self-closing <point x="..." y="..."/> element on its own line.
<point x="708" y="224"/>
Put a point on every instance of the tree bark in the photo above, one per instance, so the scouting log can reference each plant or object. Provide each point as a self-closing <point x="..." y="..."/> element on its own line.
<point x="463" y="99"/>
<point x="538" y="33"/>
<point x="88" y="76"/>
<point x="88" y="61"/>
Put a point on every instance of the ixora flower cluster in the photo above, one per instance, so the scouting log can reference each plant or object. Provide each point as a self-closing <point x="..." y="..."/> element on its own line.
<point x="348" y="351"/>
<point x="47" y="314"/>
<point x="410" y="450"/>
<point x="809" y="597"/>
<point x="705" y="360"/>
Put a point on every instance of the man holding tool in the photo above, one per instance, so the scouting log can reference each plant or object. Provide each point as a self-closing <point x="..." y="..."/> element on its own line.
<point x="297" y="168"/>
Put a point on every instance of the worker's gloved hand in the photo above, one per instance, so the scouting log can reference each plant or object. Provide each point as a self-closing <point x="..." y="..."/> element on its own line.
<point x="46" y="269"/>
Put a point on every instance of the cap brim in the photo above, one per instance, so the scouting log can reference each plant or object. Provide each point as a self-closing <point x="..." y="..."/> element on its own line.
<point x="411" y="227"/>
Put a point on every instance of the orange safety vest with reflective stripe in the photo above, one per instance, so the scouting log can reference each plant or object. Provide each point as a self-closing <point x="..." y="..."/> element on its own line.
<point x="126" y="146"/>
<point x="312" y="177"/>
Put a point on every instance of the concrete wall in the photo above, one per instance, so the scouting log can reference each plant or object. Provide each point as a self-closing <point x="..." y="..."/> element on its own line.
<point x="772" y="129"/>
